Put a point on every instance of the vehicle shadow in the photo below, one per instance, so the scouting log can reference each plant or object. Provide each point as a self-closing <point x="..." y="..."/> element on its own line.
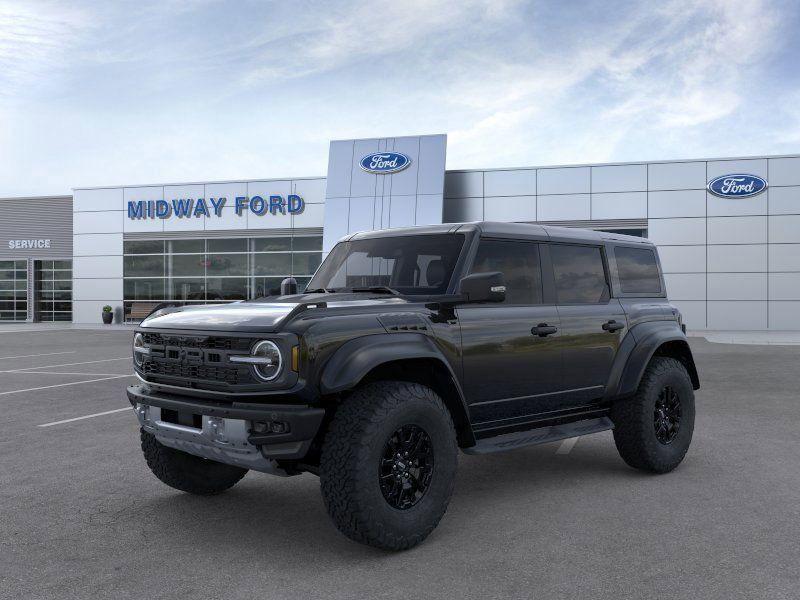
<point x="288" y="514"/>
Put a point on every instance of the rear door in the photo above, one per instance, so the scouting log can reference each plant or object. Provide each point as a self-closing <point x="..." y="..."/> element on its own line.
<point x="511" y="354"/>
<point x="592" y="323"/>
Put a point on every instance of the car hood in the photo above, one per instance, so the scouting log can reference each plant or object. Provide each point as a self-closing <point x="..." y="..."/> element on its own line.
<point x="269" y="314"/>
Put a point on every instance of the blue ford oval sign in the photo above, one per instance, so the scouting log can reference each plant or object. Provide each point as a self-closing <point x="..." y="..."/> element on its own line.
<point x="385" y="163"/>
<point x="737" y="186"/>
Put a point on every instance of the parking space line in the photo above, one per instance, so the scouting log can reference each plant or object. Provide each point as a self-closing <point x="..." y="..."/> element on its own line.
<point x="47" y="387"/>
<point x="66" y="373"/>
<point x="567" y="445"/>
<point x="35" y="355"/>
<point x="100" y="414"/>
<point x="88" y="362"/>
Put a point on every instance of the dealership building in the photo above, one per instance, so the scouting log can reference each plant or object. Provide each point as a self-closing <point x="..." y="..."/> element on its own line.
<point x="727" y="229"/>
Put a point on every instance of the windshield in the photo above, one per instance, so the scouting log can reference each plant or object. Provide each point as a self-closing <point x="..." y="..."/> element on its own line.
<point x="412" y="264"/>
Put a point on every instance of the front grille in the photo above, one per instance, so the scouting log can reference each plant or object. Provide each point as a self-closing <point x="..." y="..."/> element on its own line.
<point x="229" y="375"/>
<point x="198" y="361"/>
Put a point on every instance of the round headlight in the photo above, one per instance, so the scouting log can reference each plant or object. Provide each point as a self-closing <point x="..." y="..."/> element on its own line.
<point x="269" y="360"/>
<point x="138" y="349"/>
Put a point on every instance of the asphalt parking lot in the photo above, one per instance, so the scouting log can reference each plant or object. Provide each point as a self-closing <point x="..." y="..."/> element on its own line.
<point x="81" y="516"/>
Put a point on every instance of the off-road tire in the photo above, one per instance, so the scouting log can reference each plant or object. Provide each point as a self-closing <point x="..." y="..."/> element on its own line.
<point x="351" y="457"/>
<point x="186" y="472"/>
<point x="634" y="431"/>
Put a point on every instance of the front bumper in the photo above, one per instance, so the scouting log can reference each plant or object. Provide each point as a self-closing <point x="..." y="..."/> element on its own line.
<point x="225" y="431"/>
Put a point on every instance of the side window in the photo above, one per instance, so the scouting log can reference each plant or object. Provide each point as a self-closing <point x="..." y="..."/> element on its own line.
<point x="638" y="270"/>
<point x="579" y="274"/>
<point x="519" y="264"/>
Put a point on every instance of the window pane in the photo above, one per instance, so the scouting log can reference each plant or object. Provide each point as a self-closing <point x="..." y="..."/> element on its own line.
<point x="227" y="264"/>
<point x="519" y="264"/>
<point x="186" y="246"/>
<point x="307" y="243"/>
<point x="638" y="270"/>
<point x="143" y="247"/>
<point x="187" y="289"/>
<point x="272" y="244"/>
<point x="580" y="277"/>
<point x="143" y="266"/>
<point x="62" y="264"/>
<point x="267" y="286"/>
<point x="306" y="263"/>
<point x="144" y="289"/>
<point x="233" y="245"/>
<point x="272" y="264"/>
<point x="187" y="265"/>
<point x="226" y="288"/>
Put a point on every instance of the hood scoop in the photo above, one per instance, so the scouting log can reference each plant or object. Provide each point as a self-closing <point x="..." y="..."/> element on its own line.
<point x="401" y="322"/>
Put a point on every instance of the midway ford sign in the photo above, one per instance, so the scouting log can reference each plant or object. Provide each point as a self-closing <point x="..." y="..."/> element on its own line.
<point x="737" y="186"/>
<point x="384" y="163"/>
<point x="187" y="208"/>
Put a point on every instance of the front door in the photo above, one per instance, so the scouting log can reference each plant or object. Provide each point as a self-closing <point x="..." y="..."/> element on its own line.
<point x="592" y="323"/>
<point x="511" y="355"/>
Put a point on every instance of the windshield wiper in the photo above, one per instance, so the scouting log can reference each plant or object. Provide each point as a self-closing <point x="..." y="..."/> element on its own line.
<point x="377" y="288"/>
<point x="321" y="291"/>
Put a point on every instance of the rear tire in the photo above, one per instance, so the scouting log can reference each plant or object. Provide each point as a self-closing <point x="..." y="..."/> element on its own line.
<point x="388" y="464"/>
<point x="653" y="430"/>
<point x="186" y="472"/>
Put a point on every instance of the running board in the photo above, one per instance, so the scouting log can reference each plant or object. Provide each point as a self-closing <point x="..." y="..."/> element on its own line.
<point x="541" y="435"/>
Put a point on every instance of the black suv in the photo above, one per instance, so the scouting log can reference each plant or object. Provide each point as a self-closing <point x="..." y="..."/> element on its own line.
<point x="407" y="345"/>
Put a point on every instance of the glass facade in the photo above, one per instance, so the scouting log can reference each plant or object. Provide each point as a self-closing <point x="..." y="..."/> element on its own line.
<point x="14" y="290"/>
<point x="216" y="270"/>
<point x="54" y="290"/>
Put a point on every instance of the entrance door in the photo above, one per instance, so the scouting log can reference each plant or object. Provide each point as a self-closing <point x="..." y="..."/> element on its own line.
<point x="511" y="368"/>
<point x="592" y="323"/>
<point x="13" y="290"/>
<point x="53" y="290"/>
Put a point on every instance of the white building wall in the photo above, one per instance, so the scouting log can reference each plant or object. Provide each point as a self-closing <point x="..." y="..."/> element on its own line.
<point x="100" y="223"/>
<point x="728" y="263"/>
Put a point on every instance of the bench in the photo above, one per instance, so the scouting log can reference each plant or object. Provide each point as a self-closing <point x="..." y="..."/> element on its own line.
<point x="139" y="310"/>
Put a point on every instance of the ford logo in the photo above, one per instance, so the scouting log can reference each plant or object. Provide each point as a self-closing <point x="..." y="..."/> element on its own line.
<point x="384" y="163"/>
<point x="736" y="186"/>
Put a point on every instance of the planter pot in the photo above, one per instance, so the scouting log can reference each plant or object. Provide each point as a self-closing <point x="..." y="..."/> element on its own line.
<point x="108" y="317"/>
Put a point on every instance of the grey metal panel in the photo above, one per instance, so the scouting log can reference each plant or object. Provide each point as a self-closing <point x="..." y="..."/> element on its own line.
<point x="361" y="182"/>
<point x="467" y="184"/>
<point x="784" y="171"/>
<point x="519" y="182"/>
<point x="432" y="154"/>
<point x="676" y="176"/>
<point x="46" y="218"/>
<point x="340" y="158"/>
<point x="403" y="183"/>
<point x="622" y="178"/>
<point x="727" y="167"/>
<point x="570" y="180"/>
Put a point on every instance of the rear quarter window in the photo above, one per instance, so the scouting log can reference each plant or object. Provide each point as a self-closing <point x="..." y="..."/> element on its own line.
<point x="638" y="270"/>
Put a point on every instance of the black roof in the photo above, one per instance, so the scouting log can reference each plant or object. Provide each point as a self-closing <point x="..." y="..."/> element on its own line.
<point x="526" y="230"/>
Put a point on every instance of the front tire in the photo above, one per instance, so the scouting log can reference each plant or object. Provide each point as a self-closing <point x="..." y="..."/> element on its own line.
<point x="186" y="472"/>
<point x="653" y="430"/>
<point x="388" y="464"/>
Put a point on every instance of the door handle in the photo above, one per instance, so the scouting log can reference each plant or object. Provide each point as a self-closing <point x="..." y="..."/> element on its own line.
<point x="612" y="326"/>
<point x="543" y="330"/>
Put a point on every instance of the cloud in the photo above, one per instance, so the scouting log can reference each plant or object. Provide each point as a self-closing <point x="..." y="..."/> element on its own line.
<point x="34" y="39"/>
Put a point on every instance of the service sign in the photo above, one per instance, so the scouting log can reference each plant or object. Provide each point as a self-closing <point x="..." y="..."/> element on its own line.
<point x="37" y="244"/>
<point x="737" y="186"/>
<point x="384" y="163"/>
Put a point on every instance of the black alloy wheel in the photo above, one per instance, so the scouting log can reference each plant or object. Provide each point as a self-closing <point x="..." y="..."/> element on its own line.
<point x="406" y="467"/>
<point x="667" y="415"/>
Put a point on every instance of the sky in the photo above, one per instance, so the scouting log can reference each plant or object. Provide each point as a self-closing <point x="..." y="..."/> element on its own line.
<point x="106" y="93"/>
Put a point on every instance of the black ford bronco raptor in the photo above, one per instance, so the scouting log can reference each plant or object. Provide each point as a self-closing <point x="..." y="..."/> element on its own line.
<point x="407" y="346"/>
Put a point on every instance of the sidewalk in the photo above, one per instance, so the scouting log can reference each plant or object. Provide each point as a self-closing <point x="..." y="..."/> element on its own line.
<point x="761" y="338"/>
<point x="22" y="327"/>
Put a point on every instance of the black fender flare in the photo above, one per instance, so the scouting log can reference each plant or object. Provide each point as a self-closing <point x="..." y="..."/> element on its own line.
<point x="636" y="350"/>
<point x="356" y="358"/>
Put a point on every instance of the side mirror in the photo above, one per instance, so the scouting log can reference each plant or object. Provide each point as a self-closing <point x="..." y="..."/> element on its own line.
<point x="484" y="287"/>
<point x="288" y="286"/>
